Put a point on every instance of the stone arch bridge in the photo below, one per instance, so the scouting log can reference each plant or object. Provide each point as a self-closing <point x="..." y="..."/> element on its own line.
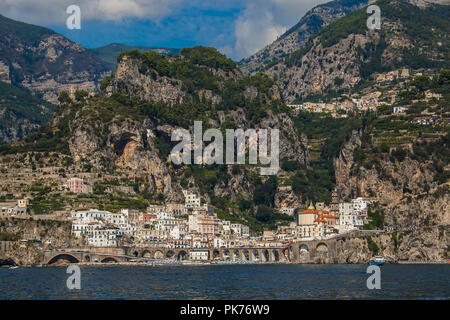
<point x="296" y="252"/>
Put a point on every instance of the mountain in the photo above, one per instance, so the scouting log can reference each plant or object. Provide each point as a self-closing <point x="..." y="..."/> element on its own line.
<point x="128" y="127"/>
<point x="297" y="36"/>
<point x="110" y="52"/>
<point x="45" y="62"/>
<point x="345" y="55"/>
<point x="119" y="140"/>
<point x="21" y="112"/>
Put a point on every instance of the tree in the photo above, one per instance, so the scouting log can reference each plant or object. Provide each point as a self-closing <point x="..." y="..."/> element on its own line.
<point x="80" y="95"/>
<point x="264" y="214"/>
<point x="64" y="98"/>
<point x="265" y="193"/>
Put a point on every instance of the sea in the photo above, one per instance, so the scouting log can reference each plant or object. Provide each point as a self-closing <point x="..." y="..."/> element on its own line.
<point x="226" y="282"/>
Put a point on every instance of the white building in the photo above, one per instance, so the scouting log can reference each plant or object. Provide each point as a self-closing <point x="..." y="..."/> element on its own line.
<point x="101" y="228"/>
<point x="14" y="211"/>
<point x="359" y="204"/>
<point x="90" y="215"/>
<point x="400" y="109"/>
<point x="103" y="238"/>
<point x="240" y="230"/>
<point x="199" y="255"/>
<point x="349" y="218"/>
<point x="219" y="243"/>
<point x="288" y="211"/>
<point x="191" y="199"/>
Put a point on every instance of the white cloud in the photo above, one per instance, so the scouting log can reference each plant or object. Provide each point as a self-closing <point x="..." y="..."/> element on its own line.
<point x="264" y="20"/>
<point x="46" y="12"/>
<point x="259" y="24"/>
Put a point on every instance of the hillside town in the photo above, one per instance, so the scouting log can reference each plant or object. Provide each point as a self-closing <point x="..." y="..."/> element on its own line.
<point x="195" y="225"/>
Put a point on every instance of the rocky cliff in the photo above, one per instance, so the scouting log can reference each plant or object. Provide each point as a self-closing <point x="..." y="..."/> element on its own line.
<point x="412" y="190"/>
<point x="21" y="112"/>
<point x="144" y="101"/>
<point x="52" y="234"/>
<point x="297" y="36"/>
<point x="416" y="246"/>
<point x="347" y="53"/>
<point x="43" y="61"/>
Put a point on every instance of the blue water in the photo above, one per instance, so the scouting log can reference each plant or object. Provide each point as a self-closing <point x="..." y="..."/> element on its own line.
<point x="228" y="282"/>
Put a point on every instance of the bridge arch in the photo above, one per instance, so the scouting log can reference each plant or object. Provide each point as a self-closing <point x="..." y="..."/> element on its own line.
<point x="216" y="254"/>
<point x="158" y="254"/>
<point x="235" y="255"/>
<point x="109" y="259"/>
<point x="182" y="255"/>
<point x="290" y="251"/>
<point x="265" y="255"/>
<point x="170" y="254"/>
<point x="64" y="256"/>
<point x="275" y="255"/>
<point x="322" y="249"/>
<point x="255" y="255"/>
<point x="246" y="255"/>
<point x="87" y="258"/>
<point x="226" y="255"/>
<point x="284" y="256"/>
<point x="146" y="254"/>
<point x="304" y="253"/>
<point x="9" y="262"/>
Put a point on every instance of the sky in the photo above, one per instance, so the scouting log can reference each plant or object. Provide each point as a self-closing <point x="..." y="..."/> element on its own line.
<point x="237" y="28"/>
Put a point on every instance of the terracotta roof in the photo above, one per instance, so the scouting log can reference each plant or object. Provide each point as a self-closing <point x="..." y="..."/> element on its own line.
<point x="308" y="211"/>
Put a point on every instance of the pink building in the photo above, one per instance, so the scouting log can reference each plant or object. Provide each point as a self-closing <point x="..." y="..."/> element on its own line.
<point x="76" y="185"/>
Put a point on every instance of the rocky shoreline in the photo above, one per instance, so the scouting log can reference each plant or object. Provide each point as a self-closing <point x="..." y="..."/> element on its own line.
<point x="133" y="264"/>
<point x="424" y="245"/>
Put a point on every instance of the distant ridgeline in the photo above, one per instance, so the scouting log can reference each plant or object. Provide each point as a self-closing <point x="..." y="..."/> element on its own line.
<point x="345" y="55"/>
<point x="21" y="112"/>
<point x="109" y="53"/>
<point x="36" y="64"/>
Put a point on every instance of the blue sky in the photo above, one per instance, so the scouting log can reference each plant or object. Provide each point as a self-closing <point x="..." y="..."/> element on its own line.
<point x="237" y="28"/>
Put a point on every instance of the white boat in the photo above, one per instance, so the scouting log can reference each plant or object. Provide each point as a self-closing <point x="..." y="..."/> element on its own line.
<point x="377" y="261"/>
<point x="14" y="267"/>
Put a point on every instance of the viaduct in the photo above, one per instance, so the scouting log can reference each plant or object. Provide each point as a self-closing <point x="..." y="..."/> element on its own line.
<point x="296" y="252"/>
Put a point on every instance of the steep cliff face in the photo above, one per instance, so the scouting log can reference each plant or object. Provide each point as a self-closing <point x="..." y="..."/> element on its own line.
<point x="320" y="68"/>
<point x="129" y="80"/>
<point x="344" y="162"/>
<point x="46" y="62"/>
<point x="427" y="245"/>
<point x="130" y="126"/>
<point x="53" y="234"/>
<point x="346" y="52"/>
<point x="127" y="145"/>
<point x="21" y="112"/>
<point x="408" y="189"/>
<point x="297" y="36"/>
<point x="17" y="128"/>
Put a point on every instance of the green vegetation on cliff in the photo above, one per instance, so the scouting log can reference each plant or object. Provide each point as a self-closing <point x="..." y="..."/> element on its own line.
<point x="327" y="136"/>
